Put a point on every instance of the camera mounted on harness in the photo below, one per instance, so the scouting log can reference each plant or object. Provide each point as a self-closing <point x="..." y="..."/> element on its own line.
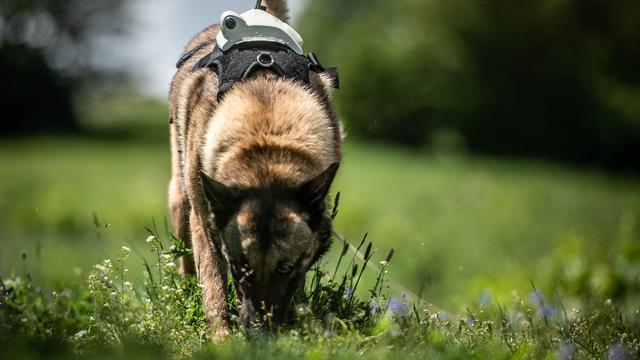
<point x="257" y="40"/>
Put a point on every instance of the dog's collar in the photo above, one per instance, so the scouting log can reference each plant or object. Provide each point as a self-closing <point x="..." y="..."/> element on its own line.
<point x="276" y="47"/>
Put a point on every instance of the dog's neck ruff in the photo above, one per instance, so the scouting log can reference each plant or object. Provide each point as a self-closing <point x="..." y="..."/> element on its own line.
<point x="257" y="40"/>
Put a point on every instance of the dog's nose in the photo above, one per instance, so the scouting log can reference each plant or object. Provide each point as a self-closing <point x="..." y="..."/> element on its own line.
<point x="258" y="315"/>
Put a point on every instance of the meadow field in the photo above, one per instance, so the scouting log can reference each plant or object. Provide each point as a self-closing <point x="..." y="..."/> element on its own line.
<point x="469" y="233"/>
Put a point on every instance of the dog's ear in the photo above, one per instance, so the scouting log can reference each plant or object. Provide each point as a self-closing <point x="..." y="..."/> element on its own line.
<point x="312" y="193"/>
<point x="220" y="197"/>
<point x="330" y="80"/>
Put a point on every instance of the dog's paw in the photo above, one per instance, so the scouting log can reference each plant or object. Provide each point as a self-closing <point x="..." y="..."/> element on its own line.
<point x="220" y="333"/>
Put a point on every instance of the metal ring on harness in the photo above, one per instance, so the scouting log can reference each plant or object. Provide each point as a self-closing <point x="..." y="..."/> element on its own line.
<point x="265" y="59"/>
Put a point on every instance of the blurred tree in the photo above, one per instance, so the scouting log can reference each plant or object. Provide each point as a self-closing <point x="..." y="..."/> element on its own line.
<point x="550" y="71"/>
<point x="45" y="52"/>
<point x="557" y="79"/>
<point x="33" y="97"/>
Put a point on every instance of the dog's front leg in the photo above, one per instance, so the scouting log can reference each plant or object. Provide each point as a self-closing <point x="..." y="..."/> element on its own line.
<point x="178" y="204"/>
<point x="212" y="274"/>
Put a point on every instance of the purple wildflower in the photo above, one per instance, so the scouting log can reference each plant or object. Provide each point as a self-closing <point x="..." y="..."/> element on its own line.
<point x="618" y="352"/>
<point x="565" y="351"/>
<point x="536" y="299"/>
<point x="373" y="306"/>
<point x="398" y="307"/>
<point x="348" y="292"/>
<point x="546" y="311"/>
<point x="484" y="299"/>
<point x="471" y="322"/>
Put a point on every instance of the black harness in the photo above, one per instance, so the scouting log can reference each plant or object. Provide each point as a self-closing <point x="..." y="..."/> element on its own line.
<point x="242" y="60"/>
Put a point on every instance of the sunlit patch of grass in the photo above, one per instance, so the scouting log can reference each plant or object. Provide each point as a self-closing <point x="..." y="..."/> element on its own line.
<point x="466" y="230"/>
<point x="108" y="313"/>
<point x="461" y="224"/>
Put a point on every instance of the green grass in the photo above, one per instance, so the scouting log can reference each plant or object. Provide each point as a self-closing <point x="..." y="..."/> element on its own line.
<point x="461" y="225"/>
<point x="465" y="225"/>
<point x="466" y="230"/>
<point x="52" y="188"/>
<point x="162" y="317"/>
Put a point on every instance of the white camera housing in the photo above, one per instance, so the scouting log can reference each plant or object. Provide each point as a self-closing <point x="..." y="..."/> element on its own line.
<point x="256" y="26"/>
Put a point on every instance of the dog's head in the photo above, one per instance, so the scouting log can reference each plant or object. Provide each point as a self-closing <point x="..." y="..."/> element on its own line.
<point x="270" y="238"/>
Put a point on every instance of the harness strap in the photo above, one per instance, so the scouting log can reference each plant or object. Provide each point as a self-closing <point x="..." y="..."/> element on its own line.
<point x="184" y="58"/>
<point x="239" y="62"/>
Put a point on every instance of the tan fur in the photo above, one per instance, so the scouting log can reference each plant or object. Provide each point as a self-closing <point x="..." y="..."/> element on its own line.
<point x="278" y="8"/>
<point x="265" y="130"/>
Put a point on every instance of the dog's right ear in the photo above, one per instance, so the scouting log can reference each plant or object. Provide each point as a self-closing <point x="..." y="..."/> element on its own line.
<point x="220" y="197"/>
<point x="313" y="192"/>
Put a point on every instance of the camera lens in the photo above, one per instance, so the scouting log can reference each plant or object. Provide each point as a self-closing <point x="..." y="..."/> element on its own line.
<point x="230" y="22"/>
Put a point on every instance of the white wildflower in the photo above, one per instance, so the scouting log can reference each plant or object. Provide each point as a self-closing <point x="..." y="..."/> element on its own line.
<point x="80" y="334"/>
<point x="303" y="309"/>
<point x="151" y="239"/>
<point x="126" y="249"/>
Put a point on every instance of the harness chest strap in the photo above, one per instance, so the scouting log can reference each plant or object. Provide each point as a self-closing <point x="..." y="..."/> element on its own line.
<point x="239" y="62"/>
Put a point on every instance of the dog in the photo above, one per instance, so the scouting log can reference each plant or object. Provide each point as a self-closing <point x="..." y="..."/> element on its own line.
<point x="250" y="177"/>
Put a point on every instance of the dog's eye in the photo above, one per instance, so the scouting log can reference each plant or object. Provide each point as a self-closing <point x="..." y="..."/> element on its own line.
<point x="285" y="269"/>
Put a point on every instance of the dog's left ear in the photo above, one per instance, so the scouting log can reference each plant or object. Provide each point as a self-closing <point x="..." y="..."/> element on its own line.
<point x="328" y="76"/>
<point x="333" y="74"/>
<point x="330" y="80"/>
<point x="313" y="192"/>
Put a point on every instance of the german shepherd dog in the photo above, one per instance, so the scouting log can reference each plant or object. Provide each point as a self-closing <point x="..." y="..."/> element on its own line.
<point x="250" y="177"/>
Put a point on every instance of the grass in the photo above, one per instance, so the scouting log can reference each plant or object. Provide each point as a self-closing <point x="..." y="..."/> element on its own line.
<point x="462" y="225"/>
<point x="470" y="234"/>
<point x="53" y="189"/>
<point x="162" y="317"/>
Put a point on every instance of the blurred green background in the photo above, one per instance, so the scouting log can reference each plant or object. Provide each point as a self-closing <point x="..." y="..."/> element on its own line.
<point x="492" y="144"/>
